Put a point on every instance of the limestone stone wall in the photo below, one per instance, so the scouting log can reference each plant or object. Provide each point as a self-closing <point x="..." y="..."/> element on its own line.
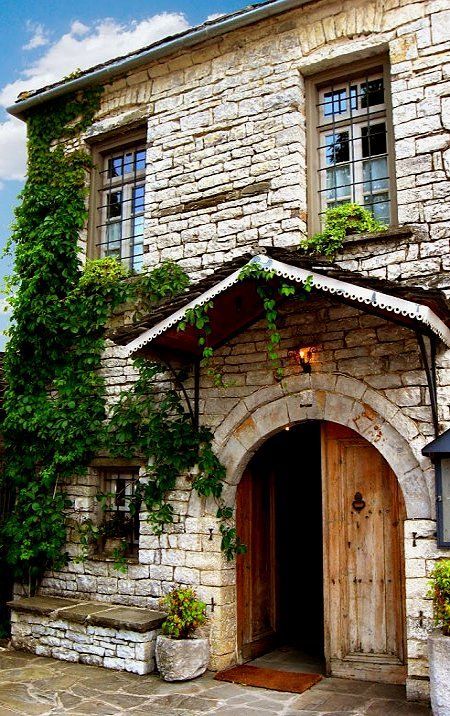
<point x="120" y="649"/>
<point x="226" y="127"/>
<point x="226" y="130"/>
<point x="366" y="374"/>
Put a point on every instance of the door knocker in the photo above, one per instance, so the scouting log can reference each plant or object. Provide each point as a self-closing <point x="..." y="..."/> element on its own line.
<point x="358" y="503"/>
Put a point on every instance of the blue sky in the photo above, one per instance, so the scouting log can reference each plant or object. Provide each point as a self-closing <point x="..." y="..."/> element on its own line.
<point x="44" y="40"/>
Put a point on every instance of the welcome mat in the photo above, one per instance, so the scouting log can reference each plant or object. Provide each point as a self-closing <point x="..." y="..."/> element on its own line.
<point x="292" y="681"/>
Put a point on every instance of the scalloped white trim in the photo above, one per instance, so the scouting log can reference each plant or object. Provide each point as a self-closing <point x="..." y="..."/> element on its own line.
<point x="399" y="306"/>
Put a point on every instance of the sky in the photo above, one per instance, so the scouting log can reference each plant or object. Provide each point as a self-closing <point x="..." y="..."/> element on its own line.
<point x="44" y="40"/>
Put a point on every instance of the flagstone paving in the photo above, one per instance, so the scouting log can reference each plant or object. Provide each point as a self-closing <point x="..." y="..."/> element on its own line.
<point x="35" y="685"/>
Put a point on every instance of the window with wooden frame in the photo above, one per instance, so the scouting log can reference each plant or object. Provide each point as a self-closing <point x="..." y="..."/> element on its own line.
<point x="119" y="521"/>
<point x="119" y="192"/>
<point x="350" y="147"/>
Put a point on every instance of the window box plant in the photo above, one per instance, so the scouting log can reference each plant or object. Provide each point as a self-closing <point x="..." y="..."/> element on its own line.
<point x="180" y="653"/>
<point x="439" y="640"/>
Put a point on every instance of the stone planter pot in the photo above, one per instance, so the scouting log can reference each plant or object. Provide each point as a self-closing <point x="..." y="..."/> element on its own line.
<point x="181" y="659"/>
<point x="439" y="662"/>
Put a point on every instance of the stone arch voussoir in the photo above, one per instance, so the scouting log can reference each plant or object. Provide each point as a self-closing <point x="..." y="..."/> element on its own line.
<point x="336" y="398"/>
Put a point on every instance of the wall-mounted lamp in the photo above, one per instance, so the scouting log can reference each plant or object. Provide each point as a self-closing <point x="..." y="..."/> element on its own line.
<point x="439" y="452"/>
<point x="303" y="357"/>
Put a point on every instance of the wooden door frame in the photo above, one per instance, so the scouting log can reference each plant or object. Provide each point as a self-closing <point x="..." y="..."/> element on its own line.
<point x="332" y="610"/>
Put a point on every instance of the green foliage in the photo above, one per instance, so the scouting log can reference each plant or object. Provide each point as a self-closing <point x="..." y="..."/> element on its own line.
<point x="163" y="282"/>
<point x="54" y="406"/>
<point x="269" y="290"/>
<point x="340" y="221"/>
<point x="153" y="422"/>
<point x="198" y="317"/>
<point x="185" y="613"/>
<point x="440" y="593"/>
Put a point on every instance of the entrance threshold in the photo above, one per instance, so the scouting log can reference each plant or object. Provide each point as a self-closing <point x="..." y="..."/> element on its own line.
<point x="288" y="658"/>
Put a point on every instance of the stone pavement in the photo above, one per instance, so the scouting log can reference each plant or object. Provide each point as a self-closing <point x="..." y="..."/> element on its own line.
<point x="35" y="686"/>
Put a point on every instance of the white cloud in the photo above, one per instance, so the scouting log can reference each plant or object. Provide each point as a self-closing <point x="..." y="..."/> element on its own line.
<point x="12" y="149"/>
<point x="39" y="36"/>
<point x="83" y="47"/>
<point x="214" y="16"/>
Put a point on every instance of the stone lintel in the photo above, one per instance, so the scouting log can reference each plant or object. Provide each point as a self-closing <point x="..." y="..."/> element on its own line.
<point x="215" y="200"/>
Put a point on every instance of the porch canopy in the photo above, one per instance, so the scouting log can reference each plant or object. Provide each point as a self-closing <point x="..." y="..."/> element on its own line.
<point x="236" y="304"/>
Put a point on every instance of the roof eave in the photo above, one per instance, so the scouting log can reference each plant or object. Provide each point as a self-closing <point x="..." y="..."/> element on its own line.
<point x="393" y="305"/>
<point x="201" y="33"/>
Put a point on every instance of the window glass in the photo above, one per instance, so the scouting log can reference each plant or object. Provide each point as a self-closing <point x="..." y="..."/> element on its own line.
<point x="339" y="101"/>
<point x="337" y="148"/>
<point x="353" y="150"/>
<point x="372" y="93"/>
<point x="118" y="490"/>
<point x="373" y="140"/>
<point x="115" y="166"/>
<point x="120" y="226"/>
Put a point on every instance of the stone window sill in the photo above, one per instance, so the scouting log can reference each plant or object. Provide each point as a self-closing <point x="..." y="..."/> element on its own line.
<point x="101" y="557"/>
<point x="392" y="232"/>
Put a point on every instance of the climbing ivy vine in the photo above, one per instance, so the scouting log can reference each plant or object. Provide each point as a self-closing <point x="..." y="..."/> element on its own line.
<point x="154" y="422"/>
<point x="55" y="418"/>
<point x="54" y="405"/>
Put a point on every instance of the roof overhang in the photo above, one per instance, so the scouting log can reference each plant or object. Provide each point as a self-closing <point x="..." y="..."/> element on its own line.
<point x="102" y="74"/>
<point x="231" y="315"/>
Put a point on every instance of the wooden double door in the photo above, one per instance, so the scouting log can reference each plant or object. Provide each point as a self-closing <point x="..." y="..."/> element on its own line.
<point x="339" y="570"/>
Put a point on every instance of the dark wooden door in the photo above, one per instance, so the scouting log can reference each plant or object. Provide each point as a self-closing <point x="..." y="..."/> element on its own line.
<point x="363" y="516"/>
<point x="256" y="570"/>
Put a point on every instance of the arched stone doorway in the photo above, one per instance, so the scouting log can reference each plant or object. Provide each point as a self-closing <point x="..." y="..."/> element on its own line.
<point x="322" y="514"/>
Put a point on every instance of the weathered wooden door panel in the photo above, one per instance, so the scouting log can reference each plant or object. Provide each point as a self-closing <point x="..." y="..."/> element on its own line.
<point x="363" y="538"/>
<point x="256" y="575"/>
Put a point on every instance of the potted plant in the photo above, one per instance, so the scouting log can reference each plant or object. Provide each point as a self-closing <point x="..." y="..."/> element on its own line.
<point x="180" y="654"/>
<point x="339" y="222"/>
<point x="439" y="640"/>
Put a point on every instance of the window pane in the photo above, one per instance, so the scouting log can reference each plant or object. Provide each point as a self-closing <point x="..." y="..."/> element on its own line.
<point x="138" y="243"/>
<point x="378" y="204"/>
<point x="336" y="102"/>
<point x="337" y="148"/>
<point x="140" y="160"/>
<point x="138" y="199"/>
<point x="338" y="182"/>
<point x="373" y="140"/>
<point x="128" y="164"/>
<point x="372" y="93"/>
<point x="113" y="239"/>
<point x="115" y="167"/>
<point x="375" y="174"/>
<point x="114" y="205"/>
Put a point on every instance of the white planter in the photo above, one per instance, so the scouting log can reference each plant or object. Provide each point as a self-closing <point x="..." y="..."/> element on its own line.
<point x="439" y="662"/>
<point x="181" y="659"/>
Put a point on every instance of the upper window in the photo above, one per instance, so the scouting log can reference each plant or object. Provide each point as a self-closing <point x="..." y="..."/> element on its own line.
<point x="120" y="209"/>
<point x="352" y="144"/>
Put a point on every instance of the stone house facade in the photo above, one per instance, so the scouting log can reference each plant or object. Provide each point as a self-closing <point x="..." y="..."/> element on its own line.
<point x="227" y="130"/>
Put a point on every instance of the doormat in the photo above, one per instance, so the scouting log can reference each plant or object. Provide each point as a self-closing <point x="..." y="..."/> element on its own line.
<point x="291" y="681"/>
